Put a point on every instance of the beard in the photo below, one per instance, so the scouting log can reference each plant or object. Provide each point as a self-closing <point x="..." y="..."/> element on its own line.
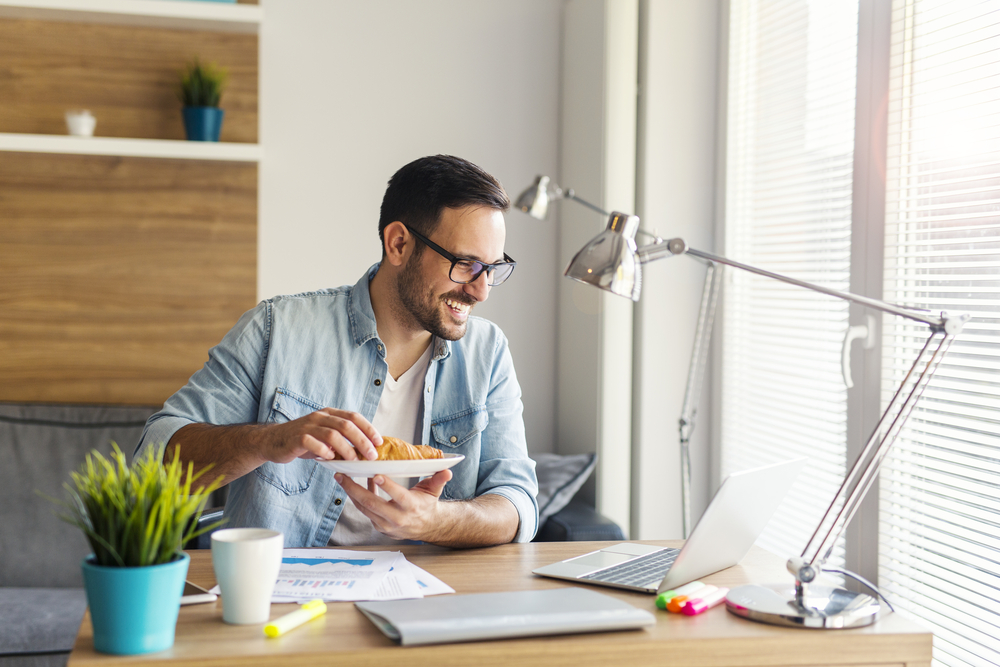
<point x="420" y="305"/>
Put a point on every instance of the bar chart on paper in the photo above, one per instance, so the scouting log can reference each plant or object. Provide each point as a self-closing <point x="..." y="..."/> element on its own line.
<point x="324" y="582"/>
<point x="332" y="575"/>
<point x="314" y="584"/>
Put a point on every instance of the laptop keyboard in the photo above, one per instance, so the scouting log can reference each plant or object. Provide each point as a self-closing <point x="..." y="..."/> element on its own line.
<point x="639" y="572"/>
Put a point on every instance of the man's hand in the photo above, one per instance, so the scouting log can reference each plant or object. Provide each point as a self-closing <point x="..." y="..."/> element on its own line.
<point x="419" y="514"/>
<point x="234" y="451"/>
<point x="409" y="514"/>
<point x="325" y="434"/>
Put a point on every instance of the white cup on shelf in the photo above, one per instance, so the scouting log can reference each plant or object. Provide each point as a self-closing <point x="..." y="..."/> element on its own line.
<point x="80" y="123"/>
<point x="246" y="563"/>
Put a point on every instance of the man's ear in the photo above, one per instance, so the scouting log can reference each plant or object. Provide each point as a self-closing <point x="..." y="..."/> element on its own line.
<point x="398" y="243"/>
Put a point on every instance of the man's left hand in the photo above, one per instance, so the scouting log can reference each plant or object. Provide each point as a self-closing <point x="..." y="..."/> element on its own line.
<point x="408" y="514"/>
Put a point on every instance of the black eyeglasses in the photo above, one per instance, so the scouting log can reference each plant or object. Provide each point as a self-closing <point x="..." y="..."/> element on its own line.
<point x="464" y="270"/>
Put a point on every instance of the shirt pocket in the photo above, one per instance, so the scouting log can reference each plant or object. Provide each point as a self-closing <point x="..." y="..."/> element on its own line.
<point x="461" y="434"/>
<point x="294" y="477"/>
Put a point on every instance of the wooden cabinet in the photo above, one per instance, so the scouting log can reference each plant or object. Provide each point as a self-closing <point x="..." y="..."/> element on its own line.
<point x="126" y="256"/>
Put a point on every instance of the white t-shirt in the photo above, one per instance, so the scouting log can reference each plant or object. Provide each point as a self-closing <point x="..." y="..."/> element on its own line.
<point x="398" y="415"/>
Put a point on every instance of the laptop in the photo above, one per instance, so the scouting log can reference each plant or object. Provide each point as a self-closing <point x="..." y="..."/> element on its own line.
<point x="737" y="515"/>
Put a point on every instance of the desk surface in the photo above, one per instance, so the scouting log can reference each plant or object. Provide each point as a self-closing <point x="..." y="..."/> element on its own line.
<point x="344" y="636"/>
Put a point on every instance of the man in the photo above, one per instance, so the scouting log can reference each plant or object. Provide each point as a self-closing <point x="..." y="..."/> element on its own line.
<point x="324" y="374"/>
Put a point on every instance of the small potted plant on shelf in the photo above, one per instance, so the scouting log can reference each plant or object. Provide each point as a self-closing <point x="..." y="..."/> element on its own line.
<point x="137" y="519"/>
<point x="201" y="88"/>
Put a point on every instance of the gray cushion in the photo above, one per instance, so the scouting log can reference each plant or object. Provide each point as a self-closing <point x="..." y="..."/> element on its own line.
<point x="559" y="478"/>
<point x="39" y="620"/>
<point x="39" y="446"/>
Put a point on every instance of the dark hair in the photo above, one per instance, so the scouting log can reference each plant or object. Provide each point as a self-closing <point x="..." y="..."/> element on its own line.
<point x="418" y="192"/>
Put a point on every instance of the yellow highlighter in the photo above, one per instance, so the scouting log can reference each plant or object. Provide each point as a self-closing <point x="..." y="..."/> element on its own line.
<point x="303" y="614"/>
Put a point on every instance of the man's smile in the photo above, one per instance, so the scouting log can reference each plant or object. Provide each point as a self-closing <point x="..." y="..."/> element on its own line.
<point x="459" y="309"/>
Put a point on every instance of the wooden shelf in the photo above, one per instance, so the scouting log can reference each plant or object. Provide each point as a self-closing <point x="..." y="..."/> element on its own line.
<point x="177" y="14"/>
<point x="153" y="148"/>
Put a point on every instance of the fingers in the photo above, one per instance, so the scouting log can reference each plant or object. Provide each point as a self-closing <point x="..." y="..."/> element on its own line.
<point x="327" y="434"/>
<point x="408" y="514"/>
<point x="367" y="500"/>
<point x="358" y="430"/>
<point x="435" y="484"/>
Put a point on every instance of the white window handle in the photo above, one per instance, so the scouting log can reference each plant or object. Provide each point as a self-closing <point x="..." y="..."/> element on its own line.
<point x="866" y="332"/>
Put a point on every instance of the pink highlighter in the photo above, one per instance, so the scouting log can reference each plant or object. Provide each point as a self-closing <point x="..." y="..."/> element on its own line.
<point x="677" y="604"/>
<point x="702" y="604"/>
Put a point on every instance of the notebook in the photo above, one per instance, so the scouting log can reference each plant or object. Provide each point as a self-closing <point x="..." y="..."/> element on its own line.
<point x="460" y="618"/>
<point x="737" y="515"/>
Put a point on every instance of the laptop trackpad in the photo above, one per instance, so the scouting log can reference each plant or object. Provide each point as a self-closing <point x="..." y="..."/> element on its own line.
<point x="600" y="559"/>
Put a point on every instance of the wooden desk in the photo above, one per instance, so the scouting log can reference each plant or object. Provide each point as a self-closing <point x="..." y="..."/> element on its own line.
<point x="343" y="636"/>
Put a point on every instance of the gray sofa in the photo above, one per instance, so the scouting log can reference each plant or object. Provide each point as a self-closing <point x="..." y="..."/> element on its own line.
<point x="41" y="596"/>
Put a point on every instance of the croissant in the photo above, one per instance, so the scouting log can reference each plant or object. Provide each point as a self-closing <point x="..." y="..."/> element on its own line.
<point x="394" y="449"/>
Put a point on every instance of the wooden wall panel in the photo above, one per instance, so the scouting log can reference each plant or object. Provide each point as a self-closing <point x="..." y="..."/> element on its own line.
<point x="118" y="274"/>
<point x="126" y="76"/>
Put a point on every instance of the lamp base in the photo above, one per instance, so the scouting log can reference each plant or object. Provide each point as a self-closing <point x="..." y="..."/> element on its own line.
<point x="824" y="608"/>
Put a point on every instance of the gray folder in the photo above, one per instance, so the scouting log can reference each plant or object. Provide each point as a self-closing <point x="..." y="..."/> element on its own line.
<point x="460" y="618"/>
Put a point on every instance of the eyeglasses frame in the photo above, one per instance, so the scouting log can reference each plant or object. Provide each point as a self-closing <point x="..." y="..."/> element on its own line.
<point x="454" y="259"/>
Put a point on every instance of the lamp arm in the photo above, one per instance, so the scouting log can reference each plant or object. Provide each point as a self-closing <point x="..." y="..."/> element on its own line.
<point x="570" y="194"/>
<point x="692" y="391"/>
<point x="654" y="251"/>
<point x="556" y="193"/>
<point x="867" y="465"/>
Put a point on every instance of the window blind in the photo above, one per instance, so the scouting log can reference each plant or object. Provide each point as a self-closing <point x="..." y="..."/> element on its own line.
<point x="790" y="144"/>
<point x="939" y="527"/>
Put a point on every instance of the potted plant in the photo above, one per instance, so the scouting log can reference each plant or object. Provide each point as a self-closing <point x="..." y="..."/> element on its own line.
<point x="136" y="519"/>
<point x="200" y="90"/>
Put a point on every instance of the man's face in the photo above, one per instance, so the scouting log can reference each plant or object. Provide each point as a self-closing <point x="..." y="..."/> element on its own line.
<point x="428" y="295"/>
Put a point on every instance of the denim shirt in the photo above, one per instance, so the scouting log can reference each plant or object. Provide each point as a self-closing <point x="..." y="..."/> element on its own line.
<point x="292" y="355"/>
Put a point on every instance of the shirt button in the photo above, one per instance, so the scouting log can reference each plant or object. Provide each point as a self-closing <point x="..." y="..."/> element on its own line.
<point x="453" y="439"/>
<point x="428" y="390"/>
<point x="337" y="501"/>
<point x="378" y="383"/>
<point x="379" y="348"/>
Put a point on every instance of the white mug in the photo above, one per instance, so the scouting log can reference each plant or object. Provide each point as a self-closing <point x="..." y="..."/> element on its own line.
<point x="246" y="562"/>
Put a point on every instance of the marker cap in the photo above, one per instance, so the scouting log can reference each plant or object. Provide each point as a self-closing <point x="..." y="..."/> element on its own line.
<point x="703" y="604"/>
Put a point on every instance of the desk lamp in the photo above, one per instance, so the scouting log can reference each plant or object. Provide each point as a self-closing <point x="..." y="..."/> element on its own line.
<point x="612" y="261"/>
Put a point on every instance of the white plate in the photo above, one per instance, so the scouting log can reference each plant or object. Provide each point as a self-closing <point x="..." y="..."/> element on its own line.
<point x="412" y="468"/>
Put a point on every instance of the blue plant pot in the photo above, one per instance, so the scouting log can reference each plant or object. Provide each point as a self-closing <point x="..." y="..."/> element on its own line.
<point x="134" y="609"/>
<point x="202" y="123"/>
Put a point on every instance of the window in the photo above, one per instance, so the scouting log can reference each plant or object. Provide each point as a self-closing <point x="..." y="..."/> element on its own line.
<point x="789" y="145"/>
<point x="790" y="148"/>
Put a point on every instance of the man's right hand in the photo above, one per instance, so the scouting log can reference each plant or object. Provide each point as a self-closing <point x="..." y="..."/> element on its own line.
<point x="325" y="434"/>
<point x="234" y="451"/>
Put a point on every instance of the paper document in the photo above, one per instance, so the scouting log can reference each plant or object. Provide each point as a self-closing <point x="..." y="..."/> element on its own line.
<point x="406" y="581"/>
<point x="429" y="584"/>
<point x="339" y="575"/>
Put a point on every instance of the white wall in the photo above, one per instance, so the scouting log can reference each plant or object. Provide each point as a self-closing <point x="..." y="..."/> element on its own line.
<point x="676" y="197"/>
<point x="351" y="91"/>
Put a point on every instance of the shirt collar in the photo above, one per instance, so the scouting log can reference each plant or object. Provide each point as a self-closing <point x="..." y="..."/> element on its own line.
<point x="363" y="325"/>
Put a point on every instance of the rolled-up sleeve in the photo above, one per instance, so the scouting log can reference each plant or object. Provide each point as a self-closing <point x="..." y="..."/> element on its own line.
<point x="226" y="390"/>
<point x="505" y="469"/>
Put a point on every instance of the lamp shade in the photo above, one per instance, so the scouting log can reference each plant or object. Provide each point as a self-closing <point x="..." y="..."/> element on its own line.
<point x="535" y="199"/>
<point x="609" y="260"/>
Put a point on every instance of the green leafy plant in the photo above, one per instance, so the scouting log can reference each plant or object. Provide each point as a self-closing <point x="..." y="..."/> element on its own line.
<point x="139" y="515"/>
<point x="202" y="85"/>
